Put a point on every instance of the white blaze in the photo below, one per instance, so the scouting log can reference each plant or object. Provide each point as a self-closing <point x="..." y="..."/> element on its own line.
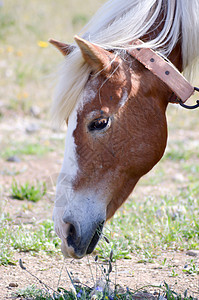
<point x="86" y="206"/>
<point x="68" y="173"/>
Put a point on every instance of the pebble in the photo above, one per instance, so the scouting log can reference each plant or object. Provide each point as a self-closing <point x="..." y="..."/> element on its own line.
<point x="13" y="158"/>
<point x="142" y="295"/>
<point x="13" y="284"/>
<point x="32" y="128"/>
<point x="191" y="253"/>
<point x="35" y="111"/>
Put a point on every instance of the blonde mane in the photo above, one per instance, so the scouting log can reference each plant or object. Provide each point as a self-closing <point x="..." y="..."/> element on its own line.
<point x="114" y="26"/>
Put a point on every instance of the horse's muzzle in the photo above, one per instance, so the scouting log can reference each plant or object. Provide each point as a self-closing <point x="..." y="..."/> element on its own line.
<point x="82" y="238"/>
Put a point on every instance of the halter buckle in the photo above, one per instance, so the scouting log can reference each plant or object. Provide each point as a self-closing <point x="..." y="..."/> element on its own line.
<point x="188" y="106"/>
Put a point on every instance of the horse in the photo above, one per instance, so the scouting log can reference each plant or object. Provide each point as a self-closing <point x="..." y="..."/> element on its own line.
<point x="114" y="105"/>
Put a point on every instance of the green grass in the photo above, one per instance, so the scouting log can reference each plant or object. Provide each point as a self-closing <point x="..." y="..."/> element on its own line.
<point x="32" y="292"/>
<point x="21" y="238"/>
<point x="155" y="224"/>
<point x="28" y="191"/>
<point x="19" y="149"/>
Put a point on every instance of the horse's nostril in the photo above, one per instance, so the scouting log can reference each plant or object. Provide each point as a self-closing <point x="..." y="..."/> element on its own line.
<point x="71" y="230"/>
<point x="74" y="232"/>
<point x="74" y="237"/>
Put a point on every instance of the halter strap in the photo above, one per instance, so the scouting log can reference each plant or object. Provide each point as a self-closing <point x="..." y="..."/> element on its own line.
<point x="164" y="70"/>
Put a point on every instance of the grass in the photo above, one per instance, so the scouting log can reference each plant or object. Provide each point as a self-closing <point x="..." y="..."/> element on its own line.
<point x="28" y="191"/>
<point x="169" y="223"/>
<point x="155" y="224"/>
<point x="18" y="149"/>
<point x="23" y="238"/>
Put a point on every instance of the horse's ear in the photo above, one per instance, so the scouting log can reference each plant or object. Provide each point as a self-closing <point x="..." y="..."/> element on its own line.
<point x="65" y="49"/>
<point x="98" y="58"/>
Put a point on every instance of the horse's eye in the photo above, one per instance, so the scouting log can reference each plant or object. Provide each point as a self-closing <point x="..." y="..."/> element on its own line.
<point x="99" y="124"/>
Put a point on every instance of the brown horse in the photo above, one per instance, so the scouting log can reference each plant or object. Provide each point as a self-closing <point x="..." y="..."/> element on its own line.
<point x="115" y="109"/>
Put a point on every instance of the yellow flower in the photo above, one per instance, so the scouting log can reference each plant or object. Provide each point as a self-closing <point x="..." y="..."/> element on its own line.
<point x="25" y="95"/>
<point x="46" y="143"/>
<point x="42" y="44"/>
<point x="22" y="95"/>
<point x="19" y="53"/>
<point x="10" y="49"/>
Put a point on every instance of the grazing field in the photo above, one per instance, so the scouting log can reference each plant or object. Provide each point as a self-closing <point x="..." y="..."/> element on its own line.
<point x="154" y="236"/>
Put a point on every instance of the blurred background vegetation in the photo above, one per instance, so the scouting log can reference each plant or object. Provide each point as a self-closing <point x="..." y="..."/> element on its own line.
<point x="26" y="58"/>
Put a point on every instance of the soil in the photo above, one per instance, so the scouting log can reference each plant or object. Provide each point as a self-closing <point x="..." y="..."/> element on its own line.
<point x="52" y="270"/>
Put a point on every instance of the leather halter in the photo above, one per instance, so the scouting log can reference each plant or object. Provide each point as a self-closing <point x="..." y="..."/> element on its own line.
<point x="164" y="70"/>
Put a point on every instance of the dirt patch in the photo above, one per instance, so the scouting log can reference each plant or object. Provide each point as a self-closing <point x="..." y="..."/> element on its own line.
<point x="127" y="273"/>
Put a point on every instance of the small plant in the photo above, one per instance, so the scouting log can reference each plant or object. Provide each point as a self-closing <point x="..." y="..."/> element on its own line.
<point x="6" y="250"/>
<point x="28" y="191"/>
<point x="173" y="273"/>
<point x="31" y="292"/>
<point x="193" y="269"/>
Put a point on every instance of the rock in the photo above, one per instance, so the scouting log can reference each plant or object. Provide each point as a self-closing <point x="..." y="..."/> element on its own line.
<point x="141" y="296"/>
<point x="32" y="128"/>
<point x="35" y="111"/>
<point x="192" y="253"/>
<point x="13" y="158"/>
<point x="13" y="284"/>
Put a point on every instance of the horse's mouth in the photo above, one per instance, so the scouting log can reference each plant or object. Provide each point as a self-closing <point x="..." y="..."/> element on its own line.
<point x="95" y="238"/>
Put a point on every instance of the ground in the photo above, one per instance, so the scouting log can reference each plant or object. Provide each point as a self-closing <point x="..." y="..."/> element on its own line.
<point x="133" y="272"/>
<point x="154" y="236"/>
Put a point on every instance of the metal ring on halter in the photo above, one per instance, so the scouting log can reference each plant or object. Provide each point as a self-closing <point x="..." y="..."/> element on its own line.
<point x="190" y="107"/>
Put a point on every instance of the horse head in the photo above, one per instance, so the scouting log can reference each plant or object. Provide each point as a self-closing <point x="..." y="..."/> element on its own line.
<point x="116" y="133"/>
<point x="117" y="129"/>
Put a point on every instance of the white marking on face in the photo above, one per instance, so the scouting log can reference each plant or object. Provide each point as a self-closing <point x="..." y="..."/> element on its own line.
<point x="68" y="172"/>
<point x="85" y="206"/>
<point x="89" y="93"/>
<point x="123" y="99"/>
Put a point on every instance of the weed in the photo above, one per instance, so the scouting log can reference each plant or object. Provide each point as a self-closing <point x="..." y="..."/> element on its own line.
<point x="32" y="292"/>
<point x="173" y="273"/>
<point x="192" y="268"/>
<point x="28" y="191"/>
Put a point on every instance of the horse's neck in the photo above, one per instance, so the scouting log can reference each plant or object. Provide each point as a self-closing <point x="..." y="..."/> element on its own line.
<point x="176" y="56"/>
